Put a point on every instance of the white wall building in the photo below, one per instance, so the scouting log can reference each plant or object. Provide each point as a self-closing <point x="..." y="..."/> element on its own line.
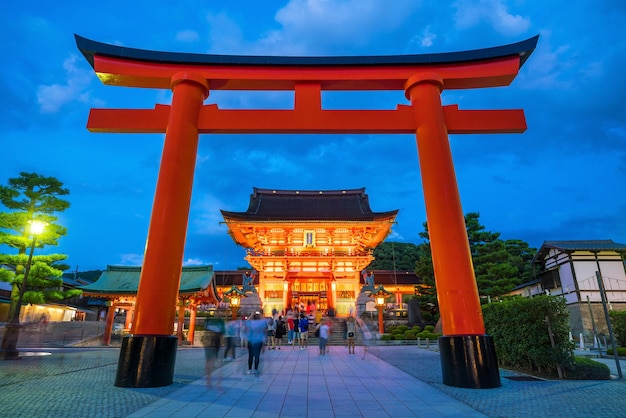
<point x="568" y="268"/>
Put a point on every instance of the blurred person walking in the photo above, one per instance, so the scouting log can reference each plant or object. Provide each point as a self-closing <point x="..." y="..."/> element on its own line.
<point x="231" y="334"/>
<point x="324" y="333"/>
<point x="256" y="336"/>
<point x="211" y="340"/>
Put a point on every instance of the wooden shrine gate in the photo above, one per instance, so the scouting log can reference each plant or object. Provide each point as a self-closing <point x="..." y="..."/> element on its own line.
<point x="148" y="354"/>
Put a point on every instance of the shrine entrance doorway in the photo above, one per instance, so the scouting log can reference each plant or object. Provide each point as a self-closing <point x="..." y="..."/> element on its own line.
<point x="309" y="294"/>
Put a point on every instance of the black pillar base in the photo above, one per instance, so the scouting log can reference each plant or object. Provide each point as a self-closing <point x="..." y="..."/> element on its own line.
<point x="146" y="361"/>
<point x="469" y="361"/>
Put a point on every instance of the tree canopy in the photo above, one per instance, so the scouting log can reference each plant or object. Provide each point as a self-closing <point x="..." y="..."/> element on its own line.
<point x="394" y="256"/>
<point x="33" y="196"/>
<point x="499" y="265"/>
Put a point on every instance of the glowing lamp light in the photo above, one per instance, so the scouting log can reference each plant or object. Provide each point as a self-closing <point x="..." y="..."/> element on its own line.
<point x="37" y="227"/>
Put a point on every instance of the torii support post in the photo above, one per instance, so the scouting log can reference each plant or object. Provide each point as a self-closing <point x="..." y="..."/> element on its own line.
<point x="148" y="354"/>
<point x="467" y="354"/>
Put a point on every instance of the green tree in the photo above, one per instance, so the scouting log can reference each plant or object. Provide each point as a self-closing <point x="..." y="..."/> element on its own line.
<point x="499" y="265"/>
<point x="31" y="196"/>
<point x="394" y="256"/>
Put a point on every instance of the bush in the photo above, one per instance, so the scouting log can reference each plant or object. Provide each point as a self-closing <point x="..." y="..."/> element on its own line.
<point x="427" y="335"/>
<point x="396" y="331"/>
<point x="402" y="328"/>
<point x="587" y="369"/>
<point x="409" y="335"/>
<point x="399" y="336"/>
<point x="416" y="329"/>
<point x="520" y="333"/>
<point x="429" y="328"/>
<point x="386" y="337"/>
<point x="621" y="351"/>
<point x="618" y="320"/>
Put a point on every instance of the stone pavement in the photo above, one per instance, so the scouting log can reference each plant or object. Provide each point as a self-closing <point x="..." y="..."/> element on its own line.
<point x="393" y="381"/>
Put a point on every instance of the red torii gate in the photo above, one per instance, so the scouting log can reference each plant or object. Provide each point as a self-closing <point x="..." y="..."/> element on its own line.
<point x="148" y="355"/>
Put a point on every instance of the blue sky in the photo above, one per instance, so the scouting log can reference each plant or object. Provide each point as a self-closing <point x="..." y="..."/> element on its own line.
<point x="562" y="179"/>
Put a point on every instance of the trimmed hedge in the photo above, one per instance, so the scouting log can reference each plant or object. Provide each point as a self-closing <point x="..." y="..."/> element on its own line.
<point x="618" y="320"/>
<point x="587" y="369"/>
<point x="520" y="333"/>
<point x="621" y="351"/>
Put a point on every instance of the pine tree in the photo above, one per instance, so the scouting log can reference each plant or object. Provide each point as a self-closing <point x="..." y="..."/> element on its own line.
<point x="499" y="265"/>
<point x="32" y="196"/>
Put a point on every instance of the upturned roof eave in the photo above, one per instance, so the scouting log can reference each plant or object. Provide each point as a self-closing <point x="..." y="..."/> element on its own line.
<point x="90" y="49"/>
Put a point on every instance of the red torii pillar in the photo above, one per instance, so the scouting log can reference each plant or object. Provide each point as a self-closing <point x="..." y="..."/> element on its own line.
<point x="148" y="354"/>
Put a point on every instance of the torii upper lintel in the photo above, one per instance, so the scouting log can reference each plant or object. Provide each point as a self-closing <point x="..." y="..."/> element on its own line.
<point x="488" y="67"/>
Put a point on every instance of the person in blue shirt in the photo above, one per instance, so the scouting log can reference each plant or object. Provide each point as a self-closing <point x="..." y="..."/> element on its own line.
<point x="303" y="324"/>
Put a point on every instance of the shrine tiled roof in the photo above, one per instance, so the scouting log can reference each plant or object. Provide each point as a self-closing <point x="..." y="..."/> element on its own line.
<point x="124" y="280"/>
<point x="582" y="245"/>
<point x="302" y="205"/>
<point x="586" y="245"/>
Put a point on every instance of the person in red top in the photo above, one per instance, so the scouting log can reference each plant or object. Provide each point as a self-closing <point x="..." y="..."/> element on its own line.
<point x="290" y="328"/>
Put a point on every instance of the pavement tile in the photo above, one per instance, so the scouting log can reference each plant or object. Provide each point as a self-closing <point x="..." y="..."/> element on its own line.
<point x="392" y="381"/>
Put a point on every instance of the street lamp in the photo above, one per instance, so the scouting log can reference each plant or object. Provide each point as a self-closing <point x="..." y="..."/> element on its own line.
<point x="234" y="305"/>
<point x="235" y="296"/>
<point x="380" y="294"/>
<point x="12" y="334"/>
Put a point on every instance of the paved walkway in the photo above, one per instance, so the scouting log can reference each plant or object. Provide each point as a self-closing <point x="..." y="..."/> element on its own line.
<point x="402" y="381"/>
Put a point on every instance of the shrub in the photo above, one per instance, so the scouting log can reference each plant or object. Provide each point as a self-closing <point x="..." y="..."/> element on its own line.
<point x="399" y="336"/>
<point x="402" y="328"/>
<point x="386" y="337"/>
<point x="409" y="335"/>
<point x="397" y="331"/>
<point x="520" y="333"/>
<point x="587" y="369"/>
<point x="621" y="351"/>
<point x="427" y="335"/>
<point x="618" y="320"/>
<point x="429" y="328"/>
<point x="416" y="329"/>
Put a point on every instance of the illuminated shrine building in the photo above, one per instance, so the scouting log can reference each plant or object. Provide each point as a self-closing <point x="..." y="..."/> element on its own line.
<point x="309" y="247"/>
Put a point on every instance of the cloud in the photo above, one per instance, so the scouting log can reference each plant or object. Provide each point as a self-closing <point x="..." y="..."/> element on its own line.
<point x="427" y="38"/>
<point x="131" y="259"/>
<point x="193" y="262"/>
<point x="494" y="13"/>
<point x="205" y="215"/>
<point x="187" y="36"/>
<point x="348" y="22"/>
<point x="52" y="97"/>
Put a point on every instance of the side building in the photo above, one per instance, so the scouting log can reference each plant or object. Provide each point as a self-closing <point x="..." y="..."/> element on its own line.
<point x="569" y="269"/>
